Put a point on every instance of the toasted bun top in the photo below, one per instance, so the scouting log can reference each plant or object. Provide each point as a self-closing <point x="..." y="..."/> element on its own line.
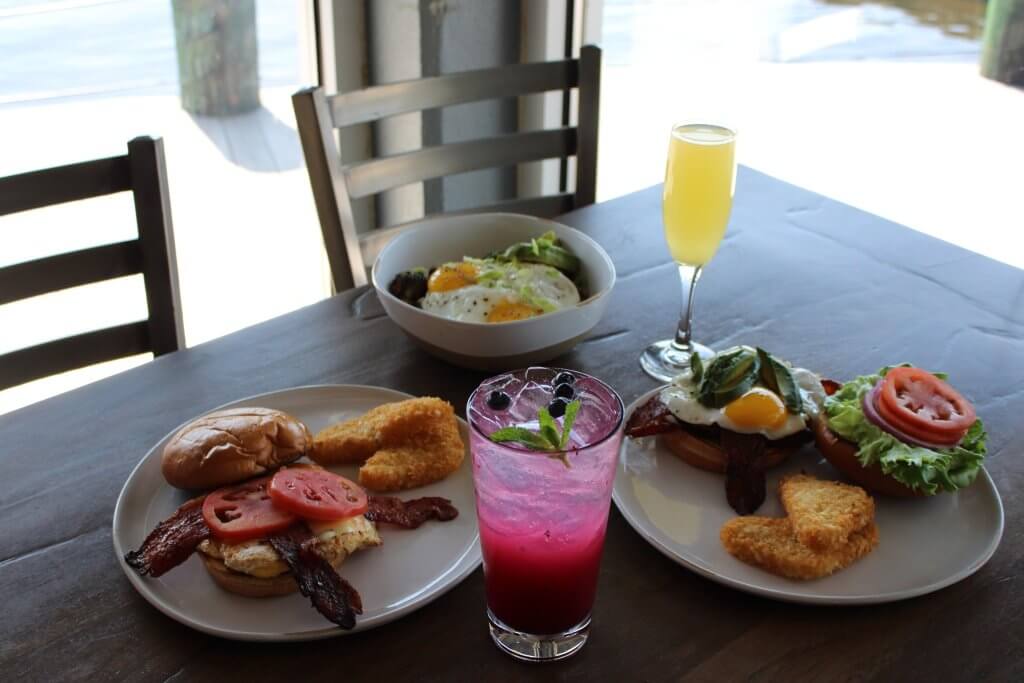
<point x="842" y="455"/>
<point x="232" y="445"/>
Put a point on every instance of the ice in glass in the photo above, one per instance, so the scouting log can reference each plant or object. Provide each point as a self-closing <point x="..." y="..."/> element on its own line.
<point x="543" y="513"/>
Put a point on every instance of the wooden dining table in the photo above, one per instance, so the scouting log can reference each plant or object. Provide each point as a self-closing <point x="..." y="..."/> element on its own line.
<point x="820" y="283"/>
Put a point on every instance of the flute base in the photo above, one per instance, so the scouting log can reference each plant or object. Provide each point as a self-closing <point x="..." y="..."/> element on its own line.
<point x="538" y="648"/>
<point x="665" y="360"/>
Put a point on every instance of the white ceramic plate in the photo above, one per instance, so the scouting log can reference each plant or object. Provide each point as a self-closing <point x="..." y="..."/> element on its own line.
<point x="925" y="544"/>
<point x="410" y="569"/>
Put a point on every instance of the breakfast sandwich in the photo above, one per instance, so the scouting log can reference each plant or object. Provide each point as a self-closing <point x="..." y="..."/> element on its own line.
<point x="273" y="534"/>
<point x="902" y="432"/>
<point x="739" y="413"/>
<point x="401" y="445"/>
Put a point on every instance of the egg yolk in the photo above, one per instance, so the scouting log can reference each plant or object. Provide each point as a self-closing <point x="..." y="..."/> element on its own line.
<point x="757" y="408"/>
<point x="505" y="310"/>
<point x="452" y="276"/>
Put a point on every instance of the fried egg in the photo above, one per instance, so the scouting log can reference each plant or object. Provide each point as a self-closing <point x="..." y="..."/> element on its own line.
<point x="758" y="411"/>
<point x="335" y="541"/>
<point x="481" y="291"/>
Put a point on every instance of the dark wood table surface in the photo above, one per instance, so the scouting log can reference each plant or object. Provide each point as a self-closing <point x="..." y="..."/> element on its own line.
<point x="826" y="286"/>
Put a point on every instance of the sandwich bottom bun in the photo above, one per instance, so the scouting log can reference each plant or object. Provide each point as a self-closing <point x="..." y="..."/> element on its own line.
<point x="249" y="586"/>
<point x="842" y="455"/>
<point x="707" y="455"/>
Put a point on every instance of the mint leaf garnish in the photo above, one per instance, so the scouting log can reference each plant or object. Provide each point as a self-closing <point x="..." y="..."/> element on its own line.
<point x="548" y="428"/>
<point x="548" y="438"/>
<point x="522" y="436"/>
<point x="567" y="422"/>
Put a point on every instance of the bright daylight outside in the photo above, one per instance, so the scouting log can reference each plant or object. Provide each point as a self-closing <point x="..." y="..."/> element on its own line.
<point x="878" y="104"/>
<point x="511" y="340"/>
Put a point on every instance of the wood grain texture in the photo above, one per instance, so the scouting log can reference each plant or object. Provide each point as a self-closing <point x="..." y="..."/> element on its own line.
<point x="825" y="285"/>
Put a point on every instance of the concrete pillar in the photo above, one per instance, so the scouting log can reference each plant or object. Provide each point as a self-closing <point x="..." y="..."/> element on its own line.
<point x="458" y="36"/>
<point x="409" y="39"/>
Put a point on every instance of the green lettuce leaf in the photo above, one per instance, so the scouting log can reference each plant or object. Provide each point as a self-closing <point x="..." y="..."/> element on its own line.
<point x="927" y="470"/>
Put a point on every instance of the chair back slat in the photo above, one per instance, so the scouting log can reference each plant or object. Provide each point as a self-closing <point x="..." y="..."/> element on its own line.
<point x="333" y="206"/>
<point x="589" y="107"/>
<point x="350" y="248"/>
<point x="143" y="172"/>
<point x="54" y="273"/>
<point x="373" y="242"/>
<point x="70" y="183"/>
<point x="548" y="206"/>
<point x="371" y="177"/>
<point x="378" y="102"/>
<point x="156" y="242"/>
<point x="61" y="355"/>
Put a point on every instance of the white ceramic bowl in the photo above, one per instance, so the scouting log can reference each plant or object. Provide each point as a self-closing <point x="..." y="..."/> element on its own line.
<point x="491" y="346"/>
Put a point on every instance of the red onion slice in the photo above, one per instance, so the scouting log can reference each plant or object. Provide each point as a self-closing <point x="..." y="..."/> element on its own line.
<point x="871" y="413"/>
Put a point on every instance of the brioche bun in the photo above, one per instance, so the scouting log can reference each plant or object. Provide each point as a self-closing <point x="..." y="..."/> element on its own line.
<point x="229" y="446"/>
<point x="244" y="584"/>
<point x="707" y="455"/>
<point x="252" y="586"/>
<point x="842" y="455"/>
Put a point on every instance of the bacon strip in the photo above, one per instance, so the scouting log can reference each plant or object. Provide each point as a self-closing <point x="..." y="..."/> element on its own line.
<point x="830" y="386"/>
<point x="653" y="417"/>
<point x="172" y="541"/>
<point x="410" y="513"/>
<point x="331" y="595"/>
<point x="744" y="478"/>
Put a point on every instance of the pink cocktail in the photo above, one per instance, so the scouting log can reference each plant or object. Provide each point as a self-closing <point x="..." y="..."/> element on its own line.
<point x="543" y="513"/>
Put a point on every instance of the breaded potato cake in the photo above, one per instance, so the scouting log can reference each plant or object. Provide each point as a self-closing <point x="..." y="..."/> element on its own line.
<point x="356" y="440"/>
<point x="419" y="459"/>
<point x="824" y="513"/>
<point x="770" y="544"/>
<point x="402" y="445"/>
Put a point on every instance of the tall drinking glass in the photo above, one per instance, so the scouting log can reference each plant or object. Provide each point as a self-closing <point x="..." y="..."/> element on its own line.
<point x="700" y="179"/>
<point x="542" y="514"/>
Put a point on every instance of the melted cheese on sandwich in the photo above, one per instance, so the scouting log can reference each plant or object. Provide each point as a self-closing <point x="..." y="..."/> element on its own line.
<point x="335" y="541"/>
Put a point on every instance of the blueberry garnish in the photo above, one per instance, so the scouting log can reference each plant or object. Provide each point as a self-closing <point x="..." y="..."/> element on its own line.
<point x="565" y="391"/>
<point x="498" y="400"/>
<point x="557" y="407"/>
<point x="564" y="378"/>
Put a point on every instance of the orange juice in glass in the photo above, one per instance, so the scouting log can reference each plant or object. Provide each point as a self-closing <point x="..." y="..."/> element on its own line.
<point x="700" y="179"/>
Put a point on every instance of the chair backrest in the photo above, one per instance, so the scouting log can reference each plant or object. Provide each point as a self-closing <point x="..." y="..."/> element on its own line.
<point x="335" y="184"/>
<point x="142" y="171"/>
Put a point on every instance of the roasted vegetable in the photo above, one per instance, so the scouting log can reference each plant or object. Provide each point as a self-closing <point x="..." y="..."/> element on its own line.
<point x="410" y="286"/>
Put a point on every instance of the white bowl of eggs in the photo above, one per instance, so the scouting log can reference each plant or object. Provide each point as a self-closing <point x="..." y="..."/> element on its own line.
<point x="483" y="291"/>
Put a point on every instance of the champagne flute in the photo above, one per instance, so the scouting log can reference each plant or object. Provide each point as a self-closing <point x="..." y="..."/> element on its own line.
<point x="700" y="179"/>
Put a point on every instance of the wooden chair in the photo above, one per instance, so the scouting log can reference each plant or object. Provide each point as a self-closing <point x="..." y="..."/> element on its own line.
<point x="335" y="184"/>
<point x="142" y="172"/>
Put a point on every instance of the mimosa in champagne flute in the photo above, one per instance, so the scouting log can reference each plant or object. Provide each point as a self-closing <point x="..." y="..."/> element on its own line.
<point x="700" y="179"/>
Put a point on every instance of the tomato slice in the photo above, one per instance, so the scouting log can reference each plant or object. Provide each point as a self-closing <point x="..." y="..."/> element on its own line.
<point x="923" y="406"/>
<point x="314" y="493"/>
<point x="244" y="511"/>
